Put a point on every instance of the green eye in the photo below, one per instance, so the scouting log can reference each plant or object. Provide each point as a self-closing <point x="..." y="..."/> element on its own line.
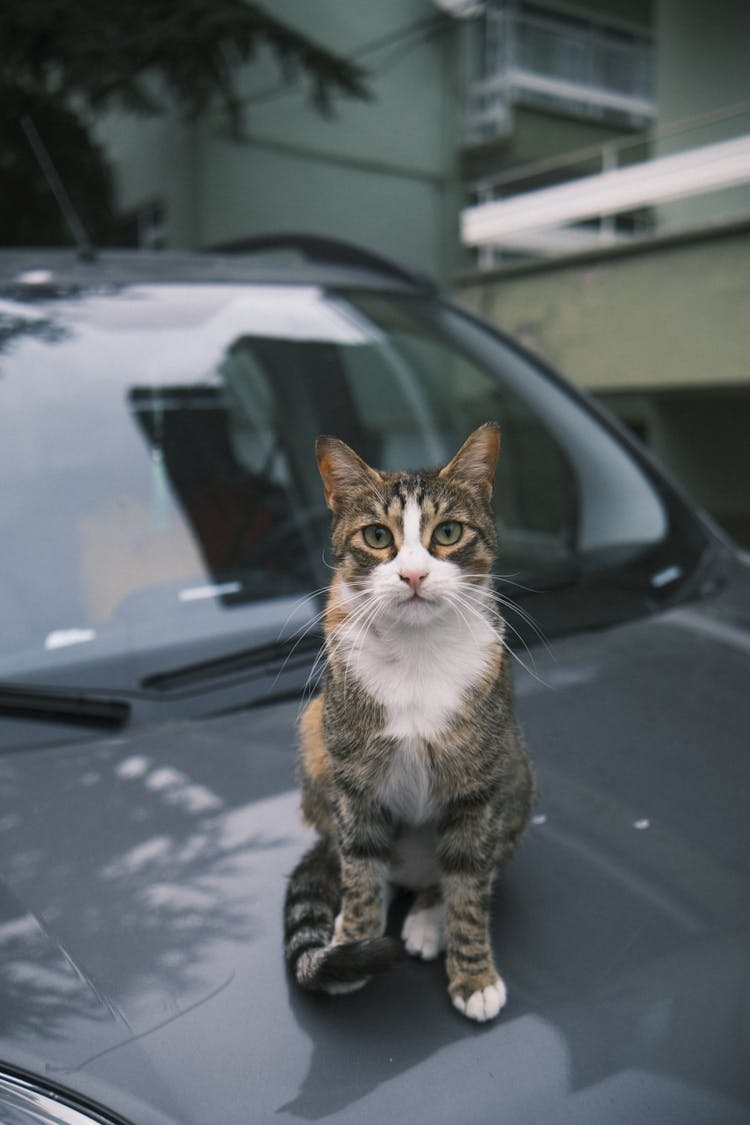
<point x="448" y="533"/>
<point x="377" y="536"/>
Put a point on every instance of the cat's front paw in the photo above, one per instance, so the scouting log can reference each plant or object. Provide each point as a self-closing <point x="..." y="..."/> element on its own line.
<point x="422" y="932"/>
<point x="482" y="1004"/>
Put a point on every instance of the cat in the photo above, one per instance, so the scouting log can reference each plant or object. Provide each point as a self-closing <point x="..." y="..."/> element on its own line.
<point x="412" y="767"/>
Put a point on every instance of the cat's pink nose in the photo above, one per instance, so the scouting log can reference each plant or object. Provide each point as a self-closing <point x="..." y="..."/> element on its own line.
<point x="414" y="576"/>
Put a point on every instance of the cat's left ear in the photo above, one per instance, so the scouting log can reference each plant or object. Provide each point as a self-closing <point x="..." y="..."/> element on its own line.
<point x="476" y="460"/>
<point x="342" y="470"/>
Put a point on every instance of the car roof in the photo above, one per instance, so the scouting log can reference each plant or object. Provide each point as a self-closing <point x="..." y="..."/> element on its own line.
<point x="285" y="259"/>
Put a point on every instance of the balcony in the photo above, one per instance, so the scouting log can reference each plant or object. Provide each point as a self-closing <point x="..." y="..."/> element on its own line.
<point x="584" y="67"/>
<point x="692" y="175"/>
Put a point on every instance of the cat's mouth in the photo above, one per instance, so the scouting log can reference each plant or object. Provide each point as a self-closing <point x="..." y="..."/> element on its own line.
<point x="416" y="602"/>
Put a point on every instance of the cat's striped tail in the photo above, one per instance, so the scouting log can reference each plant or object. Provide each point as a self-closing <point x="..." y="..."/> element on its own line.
<point x="312" y="902"/>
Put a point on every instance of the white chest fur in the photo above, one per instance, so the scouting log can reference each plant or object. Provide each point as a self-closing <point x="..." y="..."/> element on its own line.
<point x="421" y="677"/>
<point x="407" y="786"/>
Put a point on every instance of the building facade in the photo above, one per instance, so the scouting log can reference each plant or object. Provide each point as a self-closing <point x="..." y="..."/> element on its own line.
<point x="564" y="115"/>
<point x="636" y="280"/>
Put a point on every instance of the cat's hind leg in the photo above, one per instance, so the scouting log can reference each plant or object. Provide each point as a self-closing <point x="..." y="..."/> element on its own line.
<point x="423" y="931"/>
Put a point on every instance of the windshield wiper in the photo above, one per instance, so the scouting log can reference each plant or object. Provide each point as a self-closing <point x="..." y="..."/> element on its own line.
<point x="289" y="653"/>
<point x="59" y="706"/>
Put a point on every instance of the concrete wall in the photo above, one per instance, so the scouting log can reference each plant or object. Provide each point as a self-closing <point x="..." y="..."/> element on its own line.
<point x="672" y="315"/>
<point x="383" y="172"/>
<point x="702" y="67"/>
<point x="538" y="135"/>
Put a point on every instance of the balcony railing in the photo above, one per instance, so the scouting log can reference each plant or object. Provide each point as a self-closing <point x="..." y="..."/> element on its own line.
<point x="687" y="175"/>
<point x="522" y="54"/>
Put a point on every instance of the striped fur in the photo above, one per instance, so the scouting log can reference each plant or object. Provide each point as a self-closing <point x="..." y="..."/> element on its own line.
<point x="412" y="768"/>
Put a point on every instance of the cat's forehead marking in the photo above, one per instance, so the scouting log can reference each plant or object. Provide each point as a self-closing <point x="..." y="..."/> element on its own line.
<point x="395" y="509"/>
<point x="401" y="491"/>
<point x="405" y="486"/>
<point x="412" y="522"/>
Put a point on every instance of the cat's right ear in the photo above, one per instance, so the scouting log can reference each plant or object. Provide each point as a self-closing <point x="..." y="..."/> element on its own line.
<point x="475" y="462"/>
<point x="342" y="470"/>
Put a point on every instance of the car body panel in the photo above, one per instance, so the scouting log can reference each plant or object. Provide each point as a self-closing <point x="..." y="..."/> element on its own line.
<point x="141" y="958"/>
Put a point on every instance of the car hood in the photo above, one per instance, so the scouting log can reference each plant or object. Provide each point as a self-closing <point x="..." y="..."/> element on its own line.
<point x="143" y="878"/>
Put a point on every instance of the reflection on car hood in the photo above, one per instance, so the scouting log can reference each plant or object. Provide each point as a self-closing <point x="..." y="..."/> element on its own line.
<point x="140" y="916"/>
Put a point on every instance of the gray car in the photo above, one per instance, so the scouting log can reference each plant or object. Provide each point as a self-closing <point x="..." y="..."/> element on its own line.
<point x="162" y="571"/>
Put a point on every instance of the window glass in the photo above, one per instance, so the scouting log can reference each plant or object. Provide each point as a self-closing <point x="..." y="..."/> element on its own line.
<point x="157" y="455"/>
<point x="564" y="487"/>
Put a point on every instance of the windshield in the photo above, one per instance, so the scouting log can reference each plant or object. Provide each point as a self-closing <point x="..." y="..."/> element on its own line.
<point x="157" y="460"/>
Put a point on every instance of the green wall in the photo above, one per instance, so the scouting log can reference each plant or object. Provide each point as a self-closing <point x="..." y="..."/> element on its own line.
<point x="382" y="172"/>
<point x="538" y="135"/>
<point x="672" y="315"/>
<point x="702" y="66"/>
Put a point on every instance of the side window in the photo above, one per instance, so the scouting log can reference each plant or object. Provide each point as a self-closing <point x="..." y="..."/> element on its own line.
<point x="566" y="489"/>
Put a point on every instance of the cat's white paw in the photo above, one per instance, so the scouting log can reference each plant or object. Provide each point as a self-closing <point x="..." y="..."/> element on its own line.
<point x="484" y="1004"/>
<point x="422" y="932"/>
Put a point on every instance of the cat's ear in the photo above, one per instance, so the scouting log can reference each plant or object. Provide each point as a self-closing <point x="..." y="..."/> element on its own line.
<point x="475" y="462"/>
<point x="342" y="470"/>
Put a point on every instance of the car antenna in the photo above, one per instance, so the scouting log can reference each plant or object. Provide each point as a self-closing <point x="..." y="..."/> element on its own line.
<point x="86" y="250"/>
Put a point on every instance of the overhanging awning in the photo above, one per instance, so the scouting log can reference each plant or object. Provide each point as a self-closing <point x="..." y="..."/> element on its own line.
<point x="693" y="172"/>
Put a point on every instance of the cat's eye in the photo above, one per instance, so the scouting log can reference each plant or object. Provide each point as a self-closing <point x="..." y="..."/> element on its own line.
<point x="448" y="533"/>
<point x="377" y="536"/>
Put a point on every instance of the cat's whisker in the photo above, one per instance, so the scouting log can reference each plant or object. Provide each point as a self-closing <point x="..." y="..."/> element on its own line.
<point x="324" y="560"/>
<point x="358" y="642"/>
<point x="311" y="684"/>
<point x="300" y="635"/>
<point x="319" y="663"/>
<point x="456" y="604"/>
<point x="309" y="625"/>
<point x="509" y="580"/>
<point x="477" y="610"/>
<point x="303" y="632"/>
<point x="309" y="596"/>
<point x="508" y="625"/>
<point x="489" y="598"/>
<point x="514" y="607"/>
<point x="475" y="605"/>
<point x="326" y="651"/>
<point x="529" y="671"/>
<point x="357" y="619"/>
<point x="506" y="579"/>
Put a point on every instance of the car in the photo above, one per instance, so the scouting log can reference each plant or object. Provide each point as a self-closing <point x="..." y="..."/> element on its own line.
<point x="163" y="570"/>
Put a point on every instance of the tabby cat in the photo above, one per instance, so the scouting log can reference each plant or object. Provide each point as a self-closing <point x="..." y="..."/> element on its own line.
<point x="412" y="768"/>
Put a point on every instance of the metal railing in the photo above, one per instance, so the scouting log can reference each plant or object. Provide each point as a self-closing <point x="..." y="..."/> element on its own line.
<point x="550" y="60"/>
<point x="704" y="132"/>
